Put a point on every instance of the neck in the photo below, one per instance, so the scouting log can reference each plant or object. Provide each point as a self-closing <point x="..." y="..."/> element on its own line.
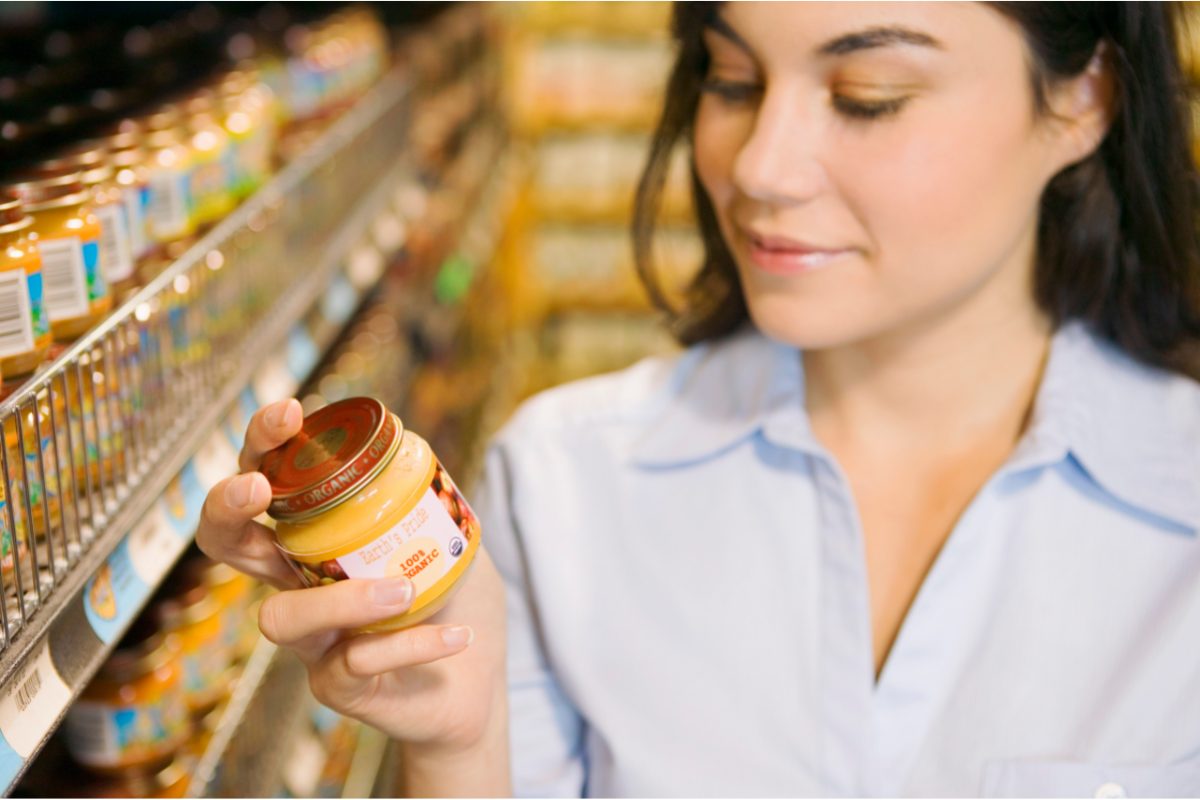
<point x="954" y="382"/>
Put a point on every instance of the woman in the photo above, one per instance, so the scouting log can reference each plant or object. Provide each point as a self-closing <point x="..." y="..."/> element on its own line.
<point x="917" y="515"/>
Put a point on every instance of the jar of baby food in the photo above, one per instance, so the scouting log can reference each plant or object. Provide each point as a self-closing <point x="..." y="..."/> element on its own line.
<point x="129" y="160"/>
<point x="132" y="715"/>
<point x="68" y="236"/>
<point x="24" y="328"/>
<point x="169" y="167"/>
<point x="194" y="615"/>
<point x="211" y="181"/>
<point x="355" y="495"/>
<point x="107" y="200"/>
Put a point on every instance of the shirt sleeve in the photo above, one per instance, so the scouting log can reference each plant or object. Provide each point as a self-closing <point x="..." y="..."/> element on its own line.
<point x="546" y="731"/>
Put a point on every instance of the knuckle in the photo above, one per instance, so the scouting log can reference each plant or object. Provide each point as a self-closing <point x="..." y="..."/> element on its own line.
<point x="355" y="661"/>
<point x="272" y="617"/>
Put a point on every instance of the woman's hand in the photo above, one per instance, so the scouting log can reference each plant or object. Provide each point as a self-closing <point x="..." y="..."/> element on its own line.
<point x="438" y="688"/>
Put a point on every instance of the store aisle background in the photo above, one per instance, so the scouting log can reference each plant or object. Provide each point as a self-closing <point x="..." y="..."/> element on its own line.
<point x="445" y="228"/>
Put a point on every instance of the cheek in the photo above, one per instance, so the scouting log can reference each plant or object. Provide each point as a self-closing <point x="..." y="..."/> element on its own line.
<point x="716" y="141"/>
<point x="949" y="199"/>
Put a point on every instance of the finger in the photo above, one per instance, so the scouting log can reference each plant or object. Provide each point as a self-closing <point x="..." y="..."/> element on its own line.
<point x="292" y="618"/>
<point x="340" y="677"/>
<point x="270" y="427"/>
<point x="229" y="533"/>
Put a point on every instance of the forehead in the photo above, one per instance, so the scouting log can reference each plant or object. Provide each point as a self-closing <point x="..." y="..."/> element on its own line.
<point x="798" y="31"/>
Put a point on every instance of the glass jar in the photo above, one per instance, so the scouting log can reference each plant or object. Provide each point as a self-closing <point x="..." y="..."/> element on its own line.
<point x="43" y="455"/>
<point x="99" y="451"/>
<point x="129" y="160"/>
<point x="212" y="162"/>
<point x="24" y="328"/>
<point x="169" y="168"/>
<point x="249" y="116"/>
<point x="234" y="593"/>
<point x="132" y="716"/>
<point x="108" y="203"/>
<point x="68" y="235"/>
<point x="357" y="496"/>
<point x="194" y="615"/>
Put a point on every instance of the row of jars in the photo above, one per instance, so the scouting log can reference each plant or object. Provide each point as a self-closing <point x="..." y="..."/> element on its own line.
<point x="147" y="716"/>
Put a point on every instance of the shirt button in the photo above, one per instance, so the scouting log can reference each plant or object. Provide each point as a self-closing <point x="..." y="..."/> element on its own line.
<point x="1111" y="790"/>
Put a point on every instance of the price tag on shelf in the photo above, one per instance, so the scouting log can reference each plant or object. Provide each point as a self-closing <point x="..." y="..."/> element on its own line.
<point x="303" y="768"/>
<point x="273" y="382"/>
<point x="364" y="267"/>
<point x="182" y="501"/>
<point x="339" y="301"/>
<point x="113" y="594"/>
<point x="31" y="703"/>
<point x="154" y="545"/>
<point x="388" y="232"/>
<point x="301" y="353"/>
<point x="215" y="460"/>
<point x="235" y="423"/>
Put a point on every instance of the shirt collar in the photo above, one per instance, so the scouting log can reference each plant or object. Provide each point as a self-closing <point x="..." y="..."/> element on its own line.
<point x="1126" y="424"/>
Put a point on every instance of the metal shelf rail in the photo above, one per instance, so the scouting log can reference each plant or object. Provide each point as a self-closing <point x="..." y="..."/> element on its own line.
<point x="101" y="492"/>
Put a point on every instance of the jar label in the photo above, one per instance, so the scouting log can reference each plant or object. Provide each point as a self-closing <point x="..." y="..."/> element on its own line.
<point x="96" y="287"/>
<point x="37" y="305"/>
<point x="65" y="278"/>
<point x="168" y="211"/>
<point x="16" y="316"/>
<point x="135" y="218"/>
<point x="116" y="254"/>
<point x="431" y="546"/>
<point x="103" y="735"/>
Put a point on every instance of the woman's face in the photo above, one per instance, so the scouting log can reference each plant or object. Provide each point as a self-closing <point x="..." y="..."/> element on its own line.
<point x="877" y="167"/>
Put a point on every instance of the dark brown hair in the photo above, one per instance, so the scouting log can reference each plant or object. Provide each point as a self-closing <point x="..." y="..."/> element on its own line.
<point x="1117" y="233"/>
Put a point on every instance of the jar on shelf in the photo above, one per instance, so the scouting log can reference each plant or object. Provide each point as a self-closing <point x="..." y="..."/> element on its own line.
<point x="24" y="328"/>
<point x="98" y="450"/>
<point x="169" y="168"/>
<point x="234" y="593"/>
<point x="355" y="495"/>
<point x="132" y="717"/>
<point x="108" y="203"/>
<point x="68" y="236"/>
<point x="248" y="115"/>
<point x="44" y="451"/>
<point x="194" y="616"/>
<point x="129" y="160"/>
<point x="211" y="181"/>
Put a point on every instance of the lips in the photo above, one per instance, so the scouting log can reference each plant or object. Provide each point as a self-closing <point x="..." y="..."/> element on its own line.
<point x="781" y="255"/>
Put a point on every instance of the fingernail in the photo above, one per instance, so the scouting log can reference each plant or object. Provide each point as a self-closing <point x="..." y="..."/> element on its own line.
<point x="292" y="414"/>
<point x="391" y="591"/>
<point x="276" y="413"/>
<point x="458" y="636"/>
<point x="240" y="491"/>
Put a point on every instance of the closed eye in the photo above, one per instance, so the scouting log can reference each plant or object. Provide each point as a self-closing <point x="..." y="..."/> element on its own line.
<point x="732" y="91"/>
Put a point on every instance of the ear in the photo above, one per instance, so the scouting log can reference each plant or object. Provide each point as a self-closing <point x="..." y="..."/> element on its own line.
<point x="1082" y="108"/>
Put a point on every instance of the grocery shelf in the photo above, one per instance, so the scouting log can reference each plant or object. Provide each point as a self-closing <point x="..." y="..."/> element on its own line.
<point x="119" y="438"/>
<point x="246" y="753"/>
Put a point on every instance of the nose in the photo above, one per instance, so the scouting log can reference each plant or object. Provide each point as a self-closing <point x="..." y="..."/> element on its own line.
<point x="780" y="162"/>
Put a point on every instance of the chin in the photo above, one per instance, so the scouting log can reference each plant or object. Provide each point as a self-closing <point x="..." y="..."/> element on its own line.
<point x="809" y="326"/>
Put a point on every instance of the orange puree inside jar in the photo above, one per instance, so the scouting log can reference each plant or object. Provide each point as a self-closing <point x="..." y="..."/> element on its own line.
<point x="357" y="496"/>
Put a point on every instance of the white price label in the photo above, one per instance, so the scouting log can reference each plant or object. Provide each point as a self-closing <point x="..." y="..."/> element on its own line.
<point x="274" y="382"/>
<point x="153" y="544"/>
<point x="388" y="231"/>
<point x="303" y="769"/>
<point x="215" y="461"/>
<point x="364" y="267"/>
<point x="32" y="702"/>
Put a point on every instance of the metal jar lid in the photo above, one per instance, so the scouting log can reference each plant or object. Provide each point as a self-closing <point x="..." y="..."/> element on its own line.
<point x="339" y="450"/>
<point x="38" y="193"/>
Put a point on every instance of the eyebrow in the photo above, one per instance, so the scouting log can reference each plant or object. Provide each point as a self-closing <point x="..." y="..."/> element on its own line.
<point x="867" y="39"/>
<point x="877" y="37"/>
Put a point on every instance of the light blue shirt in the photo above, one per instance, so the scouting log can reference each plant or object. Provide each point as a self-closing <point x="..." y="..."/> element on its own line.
<point x="688" y="605"/>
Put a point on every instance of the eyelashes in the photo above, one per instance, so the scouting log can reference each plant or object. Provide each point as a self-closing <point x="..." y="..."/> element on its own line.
<point x="740" y="92"/>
